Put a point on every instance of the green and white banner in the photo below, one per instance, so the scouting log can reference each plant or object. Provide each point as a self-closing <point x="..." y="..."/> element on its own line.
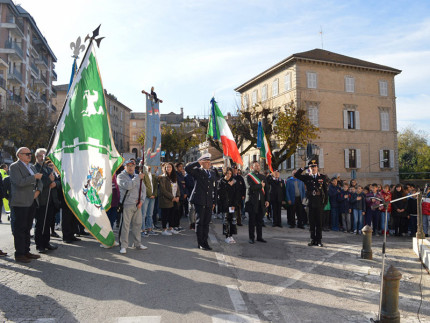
<point x="84" y="153"/>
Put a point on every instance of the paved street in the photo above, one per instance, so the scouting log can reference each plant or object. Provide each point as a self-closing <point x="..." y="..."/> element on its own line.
<point x="283" y="280"/>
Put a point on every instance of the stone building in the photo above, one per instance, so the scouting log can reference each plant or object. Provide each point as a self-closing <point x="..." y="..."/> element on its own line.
<point x="353" y="103"/>
<point x="29" y="59"/>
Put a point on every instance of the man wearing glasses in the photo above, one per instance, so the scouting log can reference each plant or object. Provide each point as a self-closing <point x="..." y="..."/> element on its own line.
<point x="316" y="192"/>
<point x="26" y="187"/>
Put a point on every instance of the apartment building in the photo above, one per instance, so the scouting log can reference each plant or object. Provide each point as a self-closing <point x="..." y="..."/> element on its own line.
<point x="29" y="59"/>
<point x="353" y="103"/>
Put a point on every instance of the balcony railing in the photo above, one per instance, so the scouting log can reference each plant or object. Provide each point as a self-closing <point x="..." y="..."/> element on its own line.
<point x="15" y="74"/>
<point x="2" y="82"/>
<point x="15" y="99"/>
<point x="44" y="99"/>
<point x="54" y="91"/>
<point x="34" y="68"/>
<point x="12" y="20"/>
<point x="54" y="75"/>
<point x="42" y="60"/>
<point x="15" y="46"/>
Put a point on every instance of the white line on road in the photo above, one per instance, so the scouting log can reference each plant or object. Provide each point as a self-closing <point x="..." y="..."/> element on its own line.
<point x="139" y="319"/>
<point x="223" y="260"/>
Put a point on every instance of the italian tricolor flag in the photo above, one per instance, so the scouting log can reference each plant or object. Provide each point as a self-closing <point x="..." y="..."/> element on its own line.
<point x="264" y="146"/>
<point x="219" y="129"/>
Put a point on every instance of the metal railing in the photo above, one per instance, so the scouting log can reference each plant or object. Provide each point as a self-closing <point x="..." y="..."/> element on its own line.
<point x="11" y="19"/>
<point x="15" y="73"/>
<point x="2" y="82"/>
<point x="54" y="74"/>
<point x="44" y="99"/>
<point x="15" y="46"/>
<point x="34" y="68"/>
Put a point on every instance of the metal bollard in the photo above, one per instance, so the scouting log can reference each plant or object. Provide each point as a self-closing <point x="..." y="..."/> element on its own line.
<point x="420" y="232"/>
<point x="366" y="252"/>
<point x="390" y="296"/>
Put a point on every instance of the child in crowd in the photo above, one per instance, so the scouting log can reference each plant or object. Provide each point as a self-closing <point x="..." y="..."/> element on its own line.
<point x="343" y="200"/>
<point x="358" y="205"/>
<point x="385" y="195"/>
<point x="412" y="211"/>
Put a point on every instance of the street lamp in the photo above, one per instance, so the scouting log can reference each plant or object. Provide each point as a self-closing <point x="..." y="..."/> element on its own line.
<point x="308" y="153"/>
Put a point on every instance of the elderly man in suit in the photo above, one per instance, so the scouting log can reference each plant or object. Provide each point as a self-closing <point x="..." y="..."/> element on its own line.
<point x="202" y="197"/>
<point x="257" y="200"/>
<point x="26" y="186"/>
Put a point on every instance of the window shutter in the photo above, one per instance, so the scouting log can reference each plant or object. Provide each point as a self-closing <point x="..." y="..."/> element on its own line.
<point x="284" y="164"/>
<point x="358" y="156"/>
<point x="346" y="158"/>
<point x="357" y="120"/>
<point x="391" y="158"/>
<point x="292" y="161"/>
<point x="381" y="159"/>
<point x="321" y="158"/>
<point x="345" y="119"/>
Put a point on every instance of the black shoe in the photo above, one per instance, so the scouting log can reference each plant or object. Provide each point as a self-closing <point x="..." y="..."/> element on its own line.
<point x="51" y="247"/>
<point x="68" y="241"/>
<point x="279" y="225"/>
<point x="312" y="243"/>
<point x="300" y="226"/>
<point x="274" y="225"/>
<point x="319" y="244"/>
<point x="32" y="256"/>
<point x="55" y="235"/>
<point x="240" y="224"/>
<point x="41" y="250"/>
<point x="206" y="247"/>
<point x="292" y="226"/>
<point x="251" y="241"/>
<point x="76" y="239"/>
<point x="83" y="233"/>
<point x="261" y="240"/>
<point x="23" y="259"/>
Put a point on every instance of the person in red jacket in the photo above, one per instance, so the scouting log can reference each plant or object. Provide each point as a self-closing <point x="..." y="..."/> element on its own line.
<point x="385" y="194"/>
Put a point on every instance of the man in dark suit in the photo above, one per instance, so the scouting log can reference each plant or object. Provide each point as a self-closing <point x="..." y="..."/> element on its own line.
<point x="26" y="187"/>
<point x="242" y="192"/>
<point x="316" y="192"/>
<point x="257" y="200"/>
<point x="202" y="197"/>
<point x="277" y="196"/>
<point x="45" y="211"/>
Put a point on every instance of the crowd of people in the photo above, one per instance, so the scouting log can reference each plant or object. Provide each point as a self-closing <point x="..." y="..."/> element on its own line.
<point x="155" y="200"/>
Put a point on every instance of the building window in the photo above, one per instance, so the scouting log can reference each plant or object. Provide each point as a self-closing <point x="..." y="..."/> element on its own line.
<point x="134" y="124"/>
<point x="349" y="84"/>
<point x="312" y="80"/>
<point x="352" y="158"/>
<point x="245" y="101"/>
<point x="385" y="121"/>
<point x="383" y="88"/>
<point x="134" y="138"/>
<point x="254" y="97"/>
<point x="275" y="87"/>
<point x="121" y="115"/>
<point x="264" y="93"/>
<point x="288" y="82"/>
<point x="313" y="115"/>
<point x="386" y="158"/>
<point x="351" y="119"/>
<point x="288" y="163"/>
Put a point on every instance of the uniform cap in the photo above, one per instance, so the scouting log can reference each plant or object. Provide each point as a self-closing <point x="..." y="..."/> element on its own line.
<point x="129" y="161"/>
<point x="313" y="162"/>
<point x="205" y="157"/>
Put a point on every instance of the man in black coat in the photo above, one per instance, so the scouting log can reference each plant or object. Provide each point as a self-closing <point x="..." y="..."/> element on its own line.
<point x="257" y="200"/>
<point x="277" y="196"/>
<point x="316" y="192"/>
<point x="202" y="197"/>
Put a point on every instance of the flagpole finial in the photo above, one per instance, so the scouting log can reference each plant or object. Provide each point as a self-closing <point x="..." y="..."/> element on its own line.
<point x="93" y="37"/>
<point x="77" y="47"/>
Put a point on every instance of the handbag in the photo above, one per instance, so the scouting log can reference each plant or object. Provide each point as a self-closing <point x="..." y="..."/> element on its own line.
<point x="120" y="207"/>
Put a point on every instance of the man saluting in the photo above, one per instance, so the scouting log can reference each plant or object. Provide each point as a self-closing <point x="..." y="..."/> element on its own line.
<point x="202" y="197"/>
<point x="316" y="192"/>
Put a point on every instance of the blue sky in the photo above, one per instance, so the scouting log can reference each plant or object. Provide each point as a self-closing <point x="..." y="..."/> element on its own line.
<point x="190" y="50"/>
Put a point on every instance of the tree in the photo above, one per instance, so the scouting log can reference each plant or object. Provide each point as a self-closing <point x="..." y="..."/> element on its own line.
<point x="414" y="154"/>
<point x="32" y="129"/>
<point x="286" y="127"/>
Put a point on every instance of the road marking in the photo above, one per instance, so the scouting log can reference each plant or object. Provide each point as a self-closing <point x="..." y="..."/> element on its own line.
<point x="223" y="260"/>
<point x="235" y="318"/>
<point x="139" y="319"/>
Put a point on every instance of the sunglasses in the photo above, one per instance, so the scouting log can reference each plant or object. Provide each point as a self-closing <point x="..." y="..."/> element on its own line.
<point x="313" y="166"/>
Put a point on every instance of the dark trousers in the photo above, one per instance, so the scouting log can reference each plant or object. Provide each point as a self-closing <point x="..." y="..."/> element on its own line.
<point x="298" y="210"/>
<point x="276" y="212"/>
<point x="69" y="225"/>
<point x="400" y="224"/>
<point x="372" y="218"/>
<point x="24" y="217"/>
<point x="255" y="223"/>
<point x="112" y="215"/>
<point x="315" y="220"/>
<point x="237" y="214"/>
<point x="42" y="233"/>
<point x="167" y="217"/>
<point x="178" y="212"/>
<point x="203" y="218"/>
